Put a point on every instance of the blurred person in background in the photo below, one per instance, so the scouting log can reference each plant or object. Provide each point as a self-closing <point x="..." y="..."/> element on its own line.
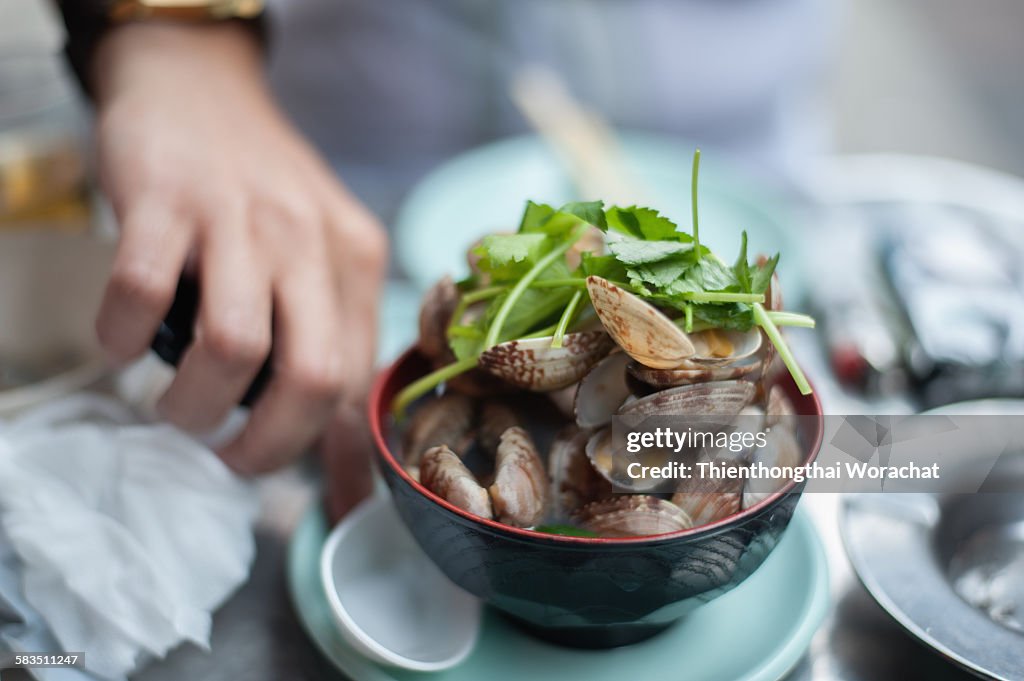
<point x="263" y="150"/>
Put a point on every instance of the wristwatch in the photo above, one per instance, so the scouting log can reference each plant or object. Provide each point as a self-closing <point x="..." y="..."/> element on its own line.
<point x="88" y="20"/>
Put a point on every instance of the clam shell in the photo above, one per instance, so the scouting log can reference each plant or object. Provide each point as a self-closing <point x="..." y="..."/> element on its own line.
<point x="640" y="329"/>
<point x="436" y="311"/>
<point x="496" y="416"/>
<point x="574" y="481"/>
<point x="706" y="500"/>
<point x="602" y="391"/>
<point x="718" y="398"/>
<point x="781" y="449"/>
<point x="521" y="485"/>
<point x="722" y="347"/>
<point x="532" y="364"/>
<point x="778" y="408"/>
<point x="564" y="400"/>
<point x="600" y="452"/>
<point x="447" y="420"/>
<point x="668" y="378"/>
<point x="633" y="515"/>
<point x="444" y="474"/>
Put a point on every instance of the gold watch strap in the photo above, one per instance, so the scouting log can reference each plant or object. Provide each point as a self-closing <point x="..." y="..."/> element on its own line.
<point x="185" y="10"/>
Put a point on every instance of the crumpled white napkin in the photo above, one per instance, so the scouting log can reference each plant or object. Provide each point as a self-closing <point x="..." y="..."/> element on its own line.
<point x="128" y="535"/>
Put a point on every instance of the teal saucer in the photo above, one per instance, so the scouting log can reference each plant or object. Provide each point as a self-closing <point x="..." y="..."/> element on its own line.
<point x="756" y="632"/>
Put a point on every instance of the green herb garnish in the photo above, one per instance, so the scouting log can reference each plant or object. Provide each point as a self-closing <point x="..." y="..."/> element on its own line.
<point x="531" y="292"/>
<point x="565" y="531"/>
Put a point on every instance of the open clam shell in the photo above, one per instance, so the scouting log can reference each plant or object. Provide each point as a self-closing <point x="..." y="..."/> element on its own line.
<point x="600" y="451"/>
<point x="669" y="378"/>
<point x="602" y="391"/>
<point x="722" y="347"/>
<point x="718" y="398"/>
<point x="574" y="481"/>
<point x="532" y="364"/>
<point x="640" y="329"/>
<point x="633" y="515"/>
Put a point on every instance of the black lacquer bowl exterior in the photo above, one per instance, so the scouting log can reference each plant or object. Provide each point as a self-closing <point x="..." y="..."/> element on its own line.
<point x="582" y="591"/>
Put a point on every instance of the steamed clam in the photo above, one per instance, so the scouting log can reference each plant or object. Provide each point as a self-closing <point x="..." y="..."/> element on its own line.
<point x="633" y="515"/>
<point x="670" y="378"/>
<point x="628" y="358"/>
<point x="520" y="488"/>
<point x="448" y="421"/>
<point x="781" y="450"/>
<point x="436" y="310"/>
<point x="532" y="364"/>
<point x="443" y="473"/>
<point x="643" y="331"/>
<point x="718" y="347"/>
<point x="602" y="391"/>
<point x="574" y="481"/>
<point x="706" y="500"/>
<point x="496" y="416"/>
<point x="718" y="398"/>
<point x="600" y="450"/>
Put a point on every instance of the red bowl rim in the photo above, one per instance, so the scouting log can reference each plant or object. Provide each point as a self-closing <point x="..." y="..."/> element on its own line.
<point x="377" y="410"/>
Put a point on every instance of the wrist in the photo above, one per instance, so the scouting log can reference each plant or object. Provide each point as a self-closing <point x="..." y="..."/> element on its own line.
<point x="139" y="54"/>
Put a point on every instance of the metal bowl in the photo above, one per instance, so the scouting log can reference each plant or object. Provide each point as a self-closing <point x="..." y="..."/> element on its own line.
<point x="950" y="568"/>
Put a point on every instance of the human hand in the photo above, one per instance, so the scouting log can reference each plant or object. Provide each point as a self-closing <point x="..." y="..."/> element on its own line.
<point x="205" y="173"/>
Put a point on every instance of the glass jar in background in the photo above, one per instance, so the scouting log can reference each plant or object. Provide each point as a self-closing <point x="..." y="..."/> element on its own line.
<point x="43" y="178"/>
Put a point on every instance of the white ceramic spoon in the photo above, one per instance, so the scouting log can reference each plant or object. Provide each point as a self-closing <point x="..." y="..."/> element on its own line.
<point x="390" y="602"/>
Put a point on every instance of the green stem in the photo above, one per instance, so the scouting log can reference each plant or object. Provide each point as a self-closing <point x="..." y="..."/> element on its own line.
<point x="465" y="332"/>
<point x="791" y="319"/>
<point x="764" y="321"/>
<point x="494" y="333"/>
<point x="578" y="282"/>
<point x="693" y="200"/>
<point x="540" y="333"/>
<point x="422" y="386"/>
<point x="689" y="318"/>
<point x="482" y="294"/>
<point x="722" y="297"/>
<point x="566" y="319"/>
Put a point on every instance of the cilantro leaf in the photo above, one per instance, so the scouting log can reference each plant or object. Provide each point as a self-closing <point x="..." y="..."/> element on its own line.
<point x="742" y="268"/>
<point x="763" y="275"/>
<point x="707" y="275"/>
<point x="604" y="266"/>
<point x="535" y="215"/>
<point x="534" y="307"/>
<point x="466" y="346"/>
<point x="734" y="316"/>
<point x="539" y="218"/>
<point x="644" y="223"/>
<point x="590" y="212"/>
<point x="509" y="256"/>
<point x="638" y="252"/>
<point x="661" y="274"/>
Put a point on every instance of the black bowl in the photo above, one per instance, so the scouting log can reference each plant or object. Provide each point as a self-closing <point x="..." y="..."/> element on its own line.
<point x="580" y="591"/>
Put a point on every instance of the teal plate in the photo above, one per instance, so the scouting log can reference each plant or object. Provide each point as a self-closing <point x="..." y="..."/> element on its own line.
<point x="756" y="632"/>
<point x="485" y="189"/>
